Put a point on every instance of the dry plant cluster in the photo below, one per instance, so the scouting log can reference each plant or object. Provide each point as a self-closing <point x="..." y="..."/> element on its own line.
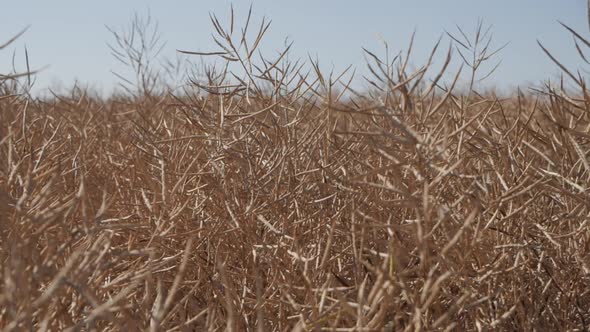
<point x="267" y="195"/>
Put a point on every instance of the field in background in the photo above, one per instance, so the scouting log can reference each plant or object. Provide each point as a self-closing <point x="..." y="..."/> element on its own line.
<point x="277" y="198"/>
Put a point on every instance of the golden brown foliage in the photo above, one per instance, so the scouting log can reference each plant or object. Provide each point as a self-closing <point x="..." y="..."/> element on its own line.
<point x="287" y="208"/>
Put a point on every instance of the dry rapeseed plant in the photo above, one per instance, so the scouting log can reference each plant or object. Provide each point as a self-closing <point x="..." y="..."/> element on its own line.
<point x="273" y="197"/>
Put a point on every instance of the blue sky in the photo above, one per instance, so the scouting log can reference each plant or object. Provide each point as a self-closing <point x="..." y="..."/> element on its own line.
<point x="70" y="35"/>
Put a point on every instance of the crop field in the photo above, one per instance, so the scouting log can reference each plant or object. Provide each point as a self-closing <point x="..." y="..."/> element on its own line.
<point x="269" y="195"/>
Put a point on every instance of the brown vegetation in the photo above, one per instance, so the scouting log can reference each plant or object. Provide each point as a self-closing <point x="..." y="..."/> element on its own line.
<point x="269" y="201"/>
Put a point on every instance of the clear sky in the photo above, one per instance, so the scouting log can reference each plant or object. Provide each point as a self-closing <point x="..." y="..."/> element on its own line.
<point x="70" y="35"/>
